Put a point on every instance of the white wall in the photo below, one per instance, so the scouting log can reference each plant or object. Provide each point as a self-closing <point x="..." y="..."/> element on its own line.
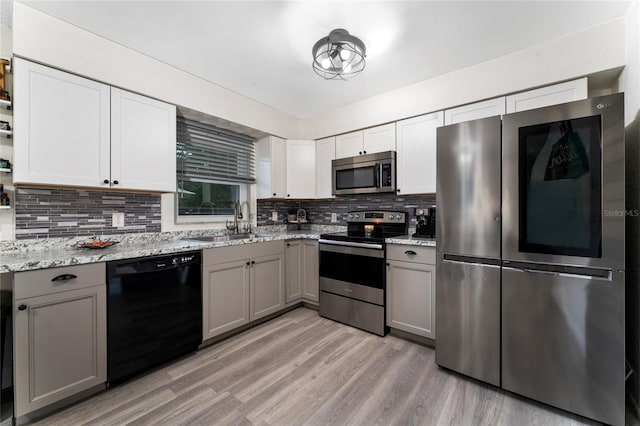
<point x="596" y="49"/>
<point x="70" y="48"/>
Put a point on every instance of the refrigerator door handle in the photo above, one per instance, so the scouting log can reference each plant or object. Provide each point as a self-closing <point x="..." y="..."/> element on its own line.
<point x="469" y="260"/>
<point x="602" y="274"/>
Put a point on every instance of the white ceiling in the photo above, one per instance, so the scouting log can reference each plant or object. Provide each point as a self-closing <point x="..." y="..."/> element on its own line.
<point x="262" y="49"/>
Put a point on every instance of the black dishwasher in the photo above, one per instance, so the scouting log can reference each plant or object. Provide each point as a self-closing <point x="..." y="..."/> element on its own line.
<point x="154" y="311"/>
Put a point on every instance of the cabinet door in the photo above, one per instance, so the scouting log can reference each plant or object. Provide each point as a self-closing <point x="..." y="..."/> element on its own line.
<point x="301" y="168"/>
<point x="309" y="271"/>
<point x="63" y="123"/>
<point x="475" y="111"/>
<point x="225" y="296"/>
<point x="267" y="285"/>
<point x="143" y="143"/>
<point x="416" y="156"/>
<point x="60" y="346"/>
<point x="411" y="297"/>
<point x="379" y="139"/>
<point x="349" y="144"/>
<point x="325" y="152"/>
<point x="293" y="258"/>
<point x="271" y="163"/>
<point x="551" y="95"/>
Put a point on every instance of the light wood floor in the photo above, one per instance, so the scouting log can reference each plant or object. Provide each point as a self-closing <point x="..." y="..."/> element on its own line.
<point x="303" y="369"/>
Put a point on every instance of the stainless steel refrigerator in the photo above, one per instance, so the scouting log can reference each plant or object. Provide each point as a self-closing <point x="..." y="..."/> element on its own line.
<point x="530" y="254"/>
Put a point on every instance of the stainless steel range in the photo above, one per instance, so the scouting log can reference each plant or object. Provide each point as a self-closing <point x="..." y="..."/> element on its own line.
<point x="353" y="271"/>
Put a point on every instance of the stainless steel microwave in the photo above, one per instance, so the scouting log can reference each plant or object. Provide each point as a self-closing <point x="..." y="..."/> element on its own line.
<point x="364" y="174"/>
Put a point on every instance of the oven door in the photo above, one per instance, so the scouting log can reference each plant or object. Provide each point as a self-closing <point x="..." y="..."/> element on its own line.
<point x="563" y="184"/>
<point x="354" y="270"/>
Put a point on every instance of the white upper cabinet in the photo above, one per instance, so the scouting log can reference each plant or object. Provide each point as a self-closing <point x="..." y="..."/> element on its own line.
<point x="325" y="152"/>
<point x="349" y="144"/>
<point x="271" y="160"/>
<point x="301" y="168"/>
<point x="64" y="131"/>
<point x="367" y="141"/>
<point x="416" y="155"/>
<point x="379" y="139"/>
<point x="474" y="111"/>
<point x="550" y="95"/>
<point x="143" y="143"/>
<point x="78" y="132"/>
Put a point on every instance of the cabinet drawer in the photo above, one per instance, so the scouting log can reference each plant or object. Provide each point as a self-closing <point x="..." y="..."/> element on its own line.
<point x="43" y="281"/>
<point x="412" y="254"/>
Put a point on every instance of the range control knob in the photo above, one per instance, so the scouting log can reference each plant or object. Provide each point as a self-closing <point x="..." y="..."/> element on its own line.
<point x="391" y="216"/>
<point x="399" y="217"/>
<point x="357" y="216"/>
<point x="350" y="216"/>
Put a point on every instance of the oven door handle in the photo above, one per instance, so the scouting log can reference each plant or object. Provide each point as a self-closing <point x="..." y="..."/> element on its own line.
<point x="351" y="244"/>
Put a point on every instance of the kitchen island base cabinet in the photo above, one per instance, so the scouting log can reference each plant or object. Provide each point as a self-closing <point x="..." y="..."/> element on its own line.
<point x="60" y="334"/>
<point x="411" y="281"/>
<point x="241" y="284"/>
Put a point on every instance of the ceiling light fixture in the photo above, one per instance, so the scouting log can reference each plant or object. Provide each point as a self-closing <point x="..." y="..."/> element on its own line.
<point x="339" y="56"/>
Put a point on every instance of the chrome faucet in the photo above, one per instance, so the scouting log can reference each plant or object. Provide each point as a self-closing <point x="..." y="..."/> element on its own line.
<point x="237" y="214"/>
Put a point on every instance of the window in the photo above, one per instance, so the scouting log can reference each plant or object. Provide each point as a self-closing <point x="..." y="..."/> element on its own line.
<point x="215" y="168"/>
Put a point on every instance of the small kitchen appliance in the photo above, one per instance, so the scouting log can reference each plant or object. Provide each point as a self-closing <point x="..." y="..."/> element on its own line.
<point x="364" y="174"/>
<point x="353" y="269"/>
<point x="425" y="223"/>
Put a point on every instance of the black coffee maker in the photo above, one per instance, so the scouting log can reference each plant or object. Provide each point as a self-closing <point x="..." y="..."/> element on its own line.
<point x="425" y="223"/>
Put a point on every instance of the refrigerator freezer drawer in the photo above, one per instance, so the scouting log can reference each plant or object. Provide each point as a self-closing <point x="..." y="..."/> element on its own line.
<point x="563" y="341"/>
<point x="468" y="319"/>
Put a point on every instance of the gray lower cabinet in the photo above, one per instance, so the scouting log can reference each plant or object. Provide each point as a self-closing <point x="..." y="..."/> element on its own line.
<point x="60" y="334"/>
<point x="411" y="283"/>
<point x="225" y="293"/>
<point x="266" y="290"/>
<point x="240" y="284"/>
<point x="302" y="271"/>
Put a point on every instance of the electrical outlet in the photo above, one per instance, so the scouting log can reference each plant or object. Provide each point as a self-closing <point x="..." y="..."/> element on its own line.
<point x="274" y="216"/>
<point x="334" y="217"/>
<point x="117" y="220"/>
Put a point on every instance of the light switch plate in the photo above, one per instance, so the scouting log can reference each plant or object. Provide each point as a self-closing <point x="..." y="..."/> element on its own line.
<point x="117" y="220"/>
<point x="334" y="217"/>
<point x="274" y="216"/>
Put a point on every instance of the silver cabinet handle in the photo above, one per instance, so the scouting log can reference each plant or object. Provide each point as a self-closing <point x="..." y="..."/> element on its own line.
<point x="410" y="253"/>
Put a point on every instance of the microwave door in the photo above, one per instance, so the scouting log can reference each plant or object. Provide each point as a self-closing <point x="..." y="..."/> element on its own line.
<point x="356" y="178"/>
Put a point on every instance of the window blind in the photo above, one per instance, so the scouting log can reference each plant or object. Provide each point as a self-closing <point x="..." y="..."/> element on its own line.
<point x="206" y="153"/>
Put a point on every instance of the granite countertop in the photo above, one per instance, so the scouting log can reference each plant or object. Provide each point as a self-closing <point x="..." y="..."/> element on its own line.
<point x="408" y="240"/>
<point x="27" y="255"/>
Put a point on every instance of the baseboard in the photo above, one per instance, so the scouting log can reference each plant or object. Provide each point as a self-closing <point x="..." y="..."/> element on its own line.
<point x="424" y="341"/>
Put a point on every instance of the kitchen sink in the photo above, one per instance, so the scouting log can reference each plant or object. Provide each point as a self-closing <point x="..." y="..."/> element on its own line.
<point x="229" y="237"/>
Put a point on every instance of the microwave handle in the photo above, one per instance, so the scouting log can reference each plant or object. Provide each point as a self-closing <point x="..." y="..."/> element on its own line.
<point x="378" y="172"/>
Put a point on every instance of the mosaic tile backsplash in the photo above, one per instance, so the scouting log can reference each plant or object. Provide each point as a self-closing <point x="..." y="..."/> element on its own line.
<point x="319" y="210"/>
<point x="44" y="213"/>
